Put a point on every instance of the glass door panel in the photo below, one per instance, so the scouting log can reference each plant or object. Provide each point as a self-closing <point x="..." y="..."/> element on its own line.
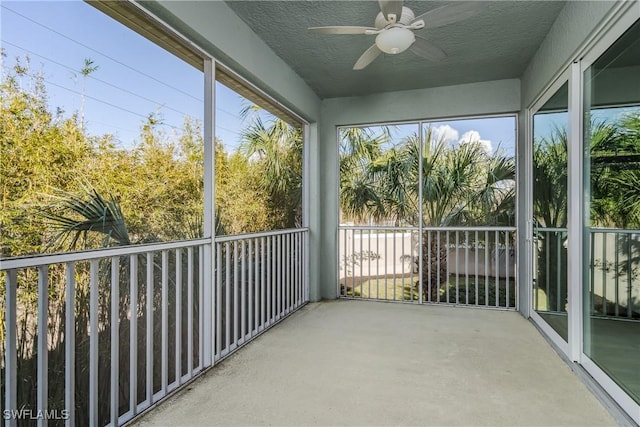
<point x="612" y="227"/>
<point x="549" y="167"/>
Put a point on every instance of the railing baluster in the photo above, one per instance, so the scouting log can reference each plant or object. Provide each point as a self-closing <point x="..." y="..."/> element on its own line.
<point x="243" y="291"/>
<point x="547" y="269"/>
<point x="457" y="249"/>
<point x="93" y="342"/>
<point x="559" y="305"/>
<point x="448" y="257"/>
<point x="164" y="360"/>
<point x="630" y="301"/>
<point x="43" y="333"/>
<point x="218" y="305"/>
<point x="70" y="345"/>
<point x="466" y="266"/>
<point x="593" y="273"/>
<point x="227" y="297"/>
<point x="604" y="274"/>
<point x="178" y="321"/>
<point x="11" y="354"/>
<point x="201" y="328"/>
<point x="299" y="259"/>
<point x="190" y="285"/>
<point x="115" y="337"/>
<point x="497" y="269"/>
<point x="394" y="265"/>
<point x="133" y="334"/>
<point x="278" y="286"/>
<point x="617" y="276"/>
<point x="507" y="258"/>
<point x="476" y="250"/>
<point x="288" y="263"/>
<point x="263" y="272"/>
<point x="270" y="274"/>
<point x="252" y="294"/>
<point x="437" y="285"/>
<point x="236" y="319"/>
<point x="149" y="331"/>
<point x="429" y="262"/>
<point x="378" y="264"/>
<point x="486" y="268"/>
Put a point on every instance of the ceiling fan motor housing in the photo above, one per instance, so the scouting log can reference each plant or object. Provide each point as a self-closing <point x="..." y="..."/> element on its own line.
<point x="405" y="19"/>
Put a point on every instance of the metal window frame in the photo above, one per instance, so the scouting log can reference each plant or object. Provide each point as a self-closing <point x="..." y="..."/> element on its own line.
<point x="422" y="227"/>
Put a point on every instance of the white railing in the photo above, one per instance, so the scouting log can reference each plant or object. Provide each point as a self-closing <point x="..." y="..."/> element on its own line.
<point x="472" y="266"/>
<point x="260" y="279"/>
<point x="140" y="322"/>
<point x="614" y="276"/>
<point x="550" y="269"/>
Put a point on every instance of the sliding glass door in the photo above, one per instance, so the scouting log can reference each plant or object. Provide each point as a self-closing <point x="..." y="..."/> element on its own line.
<point x="549" y="202"/>
<point x="611" y="236"/>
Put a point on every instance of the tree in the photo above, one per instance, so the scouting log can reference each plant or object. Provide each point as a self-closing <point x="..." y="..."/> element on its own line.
<point x="275" y="149"/>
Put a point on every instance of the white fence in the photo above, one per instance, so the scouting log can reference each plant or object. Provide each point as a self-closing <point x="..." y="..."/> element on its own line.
<point x="613" y="275"/>
<point x="459" y="265"/>
<point x="98" y="337"/>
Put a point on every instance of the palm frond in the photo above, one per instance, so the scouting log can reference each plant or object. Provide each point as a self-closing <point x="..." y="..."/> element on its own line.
<point x="78" y="217"/>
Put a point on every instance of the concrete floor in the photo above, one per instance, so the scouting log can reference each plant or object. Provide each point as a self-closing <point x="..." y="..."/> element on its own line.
<point x="367" y="363"/>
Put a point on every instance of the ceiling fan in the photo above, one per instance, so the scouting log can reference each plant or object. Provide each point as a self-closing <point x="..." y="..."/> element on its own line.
<point x="394" y="28"/>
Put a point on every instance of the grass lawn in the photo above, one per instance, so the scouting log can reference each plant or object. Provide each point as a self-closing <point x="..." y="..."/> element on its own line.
<point x="404" y="288"/>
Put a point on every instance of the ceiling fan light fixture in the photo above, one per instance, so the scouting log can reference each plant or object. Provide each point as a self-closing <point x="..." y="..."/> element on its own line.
<point x="395" y="40"/>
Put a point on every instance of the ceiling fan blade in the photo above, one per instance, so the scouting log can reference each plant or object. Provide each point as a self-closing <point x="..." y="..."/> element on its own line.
<point x="424" y="48"/>
<point x="391" y="7"/>
<point x="337" y="29"/>
<point x="367" y="57"/>
<point x="449" y="14"/>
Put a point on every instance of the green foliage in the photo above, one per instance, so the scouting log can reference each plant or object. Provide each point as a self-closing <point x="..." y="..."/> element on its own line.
<point x="274" y="151"/>
<point x="90" y="213"/>
<point x="461" y="185"/>
<point x="54" y="176"/>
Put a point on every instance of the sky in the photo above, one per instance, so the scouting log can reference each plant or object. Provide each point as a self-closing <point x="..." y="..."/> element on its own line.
<point x="127" y="85"/>
<point x="131" y="83"/>
<point x="494" y="133"/>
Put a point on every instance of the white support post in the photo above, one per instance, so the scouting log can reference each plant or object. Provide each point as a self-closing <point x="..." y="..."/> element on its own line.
<point x="575" y="217"/>
<point x="209" y="210"/>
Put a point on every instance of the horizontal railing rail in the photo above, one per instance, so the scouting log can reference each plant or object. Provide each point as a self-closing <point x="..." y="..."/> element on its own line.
<point x="232" y="237"/>
<point x="59" y="258"/>
<point x="472" y="266"/>
<point x="100" y="336"/>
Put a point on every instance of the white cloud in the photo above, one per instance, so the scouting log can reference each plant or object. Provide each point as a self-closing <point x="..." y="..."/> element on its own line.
<point x="473" y="136"/>
<point x="444" y="132"/>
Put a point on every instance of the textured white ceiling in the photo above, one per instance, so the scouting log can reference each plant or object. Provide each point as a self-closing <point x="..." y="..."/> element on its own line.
<point x="496" y="44"/>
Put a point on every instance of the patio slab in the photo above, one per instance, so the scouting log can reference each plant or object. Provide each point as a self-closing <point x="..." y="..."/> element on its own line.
<point x="369" y="363"/>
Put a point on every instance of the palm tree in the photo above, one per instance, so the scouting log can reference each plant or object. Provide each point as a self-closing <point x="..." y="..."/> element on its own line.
<point x="78" y="216"/>
<point x="276" y="148"/>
